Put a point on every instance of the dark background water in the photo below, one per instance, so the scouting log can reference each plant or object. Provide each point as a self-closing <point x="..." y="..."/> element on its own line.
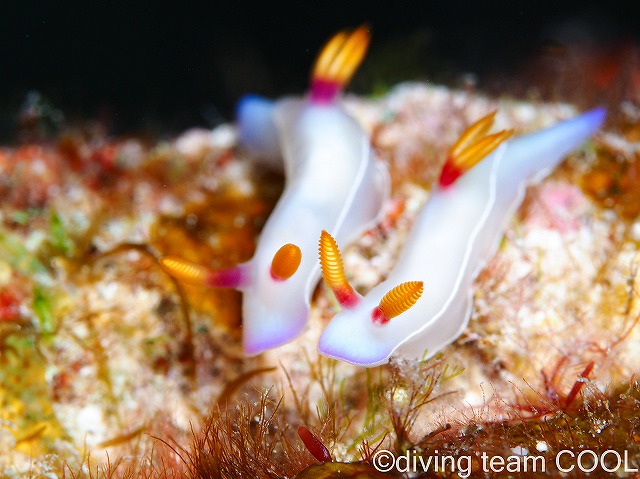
<point x="165" y="66"/>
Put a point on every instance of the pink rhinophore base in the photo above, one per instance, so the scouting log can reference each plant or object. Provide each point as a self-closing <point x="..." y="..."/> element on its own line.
<point x="347" y="297"/>
<point x="378" y="317"/>
<point x="228" y="278"/>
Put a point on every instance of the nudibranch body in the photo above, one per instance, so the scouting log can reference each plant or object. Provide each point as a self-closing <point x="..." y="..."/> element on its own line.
<point x="332" y="183"/>
<point x="456" y="233"/>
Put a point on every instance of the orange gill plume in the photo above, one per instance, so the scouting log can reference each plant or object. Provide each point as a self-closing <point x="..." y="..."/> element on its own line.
<point x="337" y="63"/>
<point x="472" y="146"/>
<point x="397" y="301"/>
<point x="285" y="262"/>
<point x="333" y="271"/>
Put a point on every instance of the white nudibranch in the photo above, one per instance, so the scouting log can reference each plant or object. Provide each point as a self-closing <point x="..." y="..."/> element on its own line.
<point x="454" y="236"/>
<point x="332" y="183"/>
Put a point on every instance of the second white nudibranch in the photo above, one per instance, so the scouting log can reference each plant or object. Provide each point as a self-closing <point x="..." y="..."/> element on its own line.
<point x="332" y="183"/>
<point x="456" y="233"/>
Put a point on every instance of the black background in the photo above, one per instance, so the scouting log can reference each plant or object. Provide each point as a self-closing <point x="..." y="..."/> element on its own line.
<point x="166" y="66"/>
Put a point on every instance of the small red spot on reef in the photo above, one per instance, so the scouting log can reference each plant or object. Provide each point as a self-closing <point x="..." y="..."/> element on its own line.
<point x="314" y="445"/>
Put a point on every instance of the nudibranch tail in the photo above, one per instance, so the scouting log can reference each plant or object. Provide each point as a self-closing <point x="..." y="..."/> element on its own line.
<point x="333" y="272"/>
<point x="257" y="132"/>
<point x="472" y="146"/>
<point x="397" y="301"/>
<point x="337" y="63"/>
<point x="286" y="262"/>
<point x="198" y="275"/>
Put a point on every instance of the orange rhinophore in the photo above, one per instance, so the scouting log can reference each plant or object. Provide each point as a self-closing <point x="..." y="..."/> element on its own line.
<point x="472" y="146"/>
<point x="333" y="271"/>
<point x="397" y="301"/>
<point x="193" y="273"/>
<point x="337" y="63"/>
<point x="285" y="262"/>
<point x="184" y="270"/>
